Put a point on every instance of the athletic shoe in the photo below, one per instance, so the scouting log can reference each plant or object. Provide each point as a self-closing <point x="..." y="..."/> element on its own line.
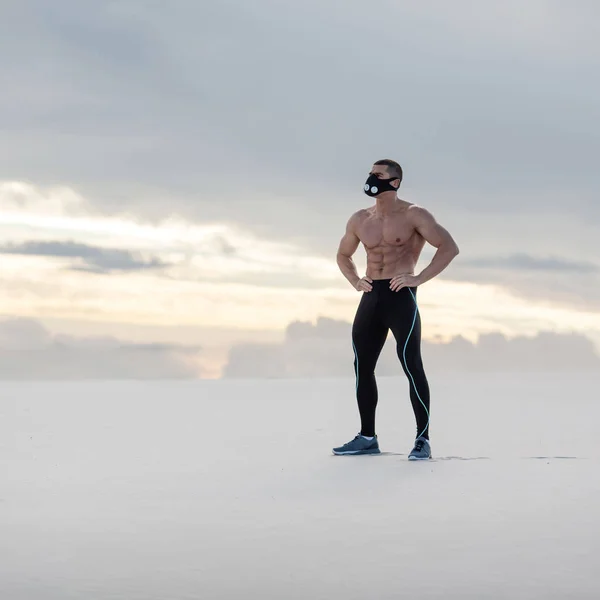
<point x="359" y="445"/>
<point x="421" y="451"/>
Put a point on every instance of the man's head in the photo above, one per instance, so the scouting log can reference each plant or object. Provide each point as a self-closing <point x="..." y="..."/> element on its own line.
<point x="386" y="169"/>
<point x="385" y="176"/>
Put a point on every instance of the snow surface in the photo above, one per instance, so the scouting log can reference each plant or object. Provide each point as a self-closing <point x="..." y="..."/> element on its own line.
<point x="228" y="489"/>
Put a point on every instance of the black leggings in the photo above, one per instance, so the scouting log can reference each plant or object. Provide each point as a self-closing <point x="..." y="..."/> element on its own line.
<point x="379" y="311"/>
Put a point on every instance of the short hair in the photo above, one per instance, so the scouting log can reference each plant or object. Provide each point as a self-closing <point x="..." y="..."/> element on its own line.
<point x="394" y="169"/>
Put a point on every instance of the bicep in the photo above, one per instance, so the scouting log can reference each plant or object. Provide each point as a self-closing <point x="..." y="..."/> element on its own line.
<point x="431" y="231"/>
<point x="349" y="242"/>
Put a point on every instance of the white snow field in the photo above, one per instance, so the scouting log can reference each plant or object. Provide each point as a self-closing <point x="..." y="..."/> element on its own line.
<point x="228" y="489"/>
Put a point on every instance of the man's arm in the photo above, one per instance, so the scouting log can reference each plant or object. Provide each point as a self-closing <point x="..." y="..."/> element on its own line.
<point x="438" y="237"/>
<point x="347" y="247"/>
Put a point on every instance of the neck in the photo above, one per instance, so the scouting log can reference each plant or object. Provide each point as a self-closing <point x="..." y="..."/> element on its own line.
<point x="385" y="203"/>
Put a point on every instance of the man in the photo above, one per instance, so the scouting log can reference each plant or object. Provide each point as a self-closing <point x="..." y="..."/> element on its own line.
<point x="393" y="232"/>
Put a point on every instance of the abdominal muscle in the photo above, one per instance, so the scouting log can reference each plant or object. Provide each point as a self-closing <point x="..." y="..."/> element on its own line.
<point x="384" y="261"/>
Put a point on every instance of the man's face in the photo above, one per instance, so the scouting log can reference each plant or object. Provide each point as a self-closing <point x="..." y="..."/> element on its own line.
<point x="381" y="171"/>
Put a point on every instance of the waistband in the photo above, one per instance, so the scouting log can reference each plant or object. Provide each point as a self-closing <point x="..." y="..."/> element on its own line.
<point x="384" y="284"/>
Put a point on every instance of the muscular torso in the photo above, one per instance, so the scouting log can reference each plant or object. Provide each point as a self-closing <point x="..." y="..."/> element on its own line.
<point x="392" y="243"/>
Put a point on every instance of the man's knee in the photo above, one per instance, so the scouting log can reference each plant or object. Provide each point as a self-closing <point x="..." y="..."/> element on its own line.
<point x="411" y="361"/>
<point x="365" y="367"/>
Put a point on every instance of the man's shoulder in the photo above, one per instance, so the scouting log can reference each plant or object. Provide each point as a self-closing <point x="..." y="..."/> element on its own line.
<point x="359" y="216"/>
<point x="418" y="212"/>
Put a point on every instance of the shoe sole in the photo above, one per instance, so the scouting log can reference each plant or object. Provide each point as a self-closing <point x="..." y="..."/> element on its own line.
<point x="357" y="452"/>
<point x="419" y="458"/>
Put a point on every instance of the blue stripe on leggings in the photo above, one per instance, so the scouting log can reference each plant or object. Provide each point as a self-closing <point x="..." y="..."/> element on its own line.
<point x="406" y="365"/>
<point x="356" y="368"/>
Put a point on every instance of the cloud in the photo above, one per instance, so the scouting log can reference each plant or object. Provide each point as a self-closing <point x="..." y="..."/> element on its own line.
<point x="551" y="280"/>
<point x="324" y="350"/>
<point x="223" y="246"/>
<point x="267" y="282"/>
<point x="28" y="351"/>
<point x="138" y="103"/>
<point x="24" y="198"/>
<point x="546" y="351"/>
<point x="525" y="262"/>
<point x="95" y="259"/>
<point x="39" y="213"/>
<point x="221" y="112"/>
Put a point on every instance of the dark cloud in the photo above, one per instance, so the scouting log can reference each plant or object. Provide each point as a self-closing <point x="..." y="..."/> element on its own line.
<point x="29" y="351"/>
<point x="95" y="258"/>
<point x="216" y="103"/>
<point x="324" y="350"/>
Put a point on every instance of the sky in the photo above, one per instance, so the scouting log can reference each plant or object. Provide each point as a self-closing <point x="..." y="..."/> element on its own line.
<point x="175" y="177"/>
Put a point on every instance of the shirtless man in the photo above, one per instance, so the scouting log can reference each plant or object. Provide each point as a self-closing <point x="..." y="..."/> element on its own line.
<point x="393" y="233"/>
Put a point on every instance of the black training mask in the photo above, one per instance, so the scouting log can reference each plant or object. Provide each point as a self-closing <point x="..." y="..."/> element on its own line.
<point x="375" y="186"/>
